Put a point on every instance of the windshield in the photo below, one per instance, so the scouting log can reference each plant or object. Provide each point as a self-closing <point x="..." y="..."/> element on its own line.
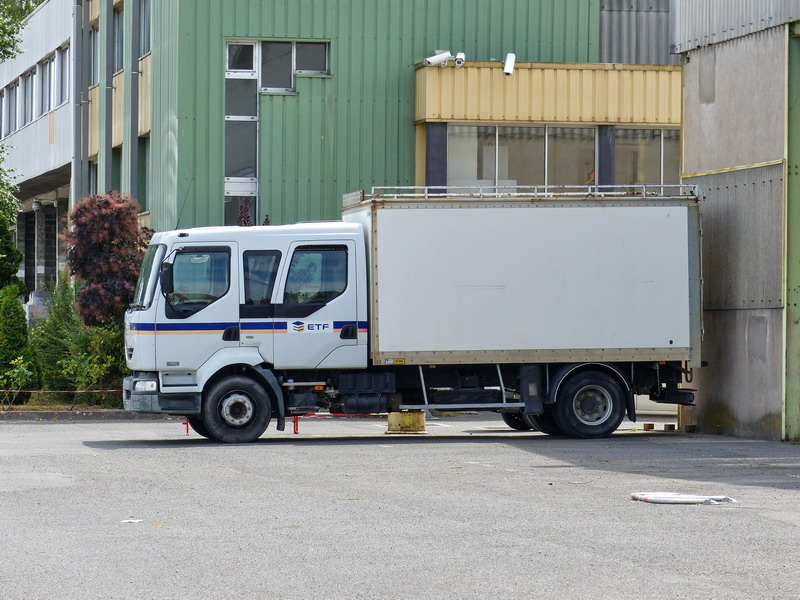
<point x="147" y="277"/>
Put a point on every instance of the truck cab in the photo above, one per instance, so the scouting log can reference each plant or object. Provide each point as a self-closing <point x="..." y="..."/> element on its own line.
<point x="211" y="302"/>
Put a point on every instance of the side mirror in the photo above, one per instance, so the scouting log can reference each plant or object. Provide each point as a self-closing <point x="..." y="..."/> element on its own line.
<point x="167" y="284"/>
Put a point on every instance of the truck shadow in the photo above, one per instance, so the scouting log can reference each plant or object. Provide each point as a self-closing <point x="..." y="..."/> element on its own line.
<point x="715" y="460"/>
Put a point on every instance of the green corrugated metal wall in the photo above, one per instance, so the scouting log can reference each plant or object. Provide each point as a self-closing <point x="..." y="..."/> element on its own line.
<point x="335" y="135"/>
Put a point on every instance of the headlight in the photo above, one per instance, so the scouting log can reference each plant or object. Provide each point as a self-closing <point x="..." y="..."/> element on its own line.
<point x="145" y="386"/>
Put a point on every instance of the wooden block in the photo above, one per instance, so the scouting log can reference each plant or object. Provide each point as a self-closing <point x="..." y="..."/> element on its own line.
<point x="648" y="426"/>
<point x="670" y="427"/>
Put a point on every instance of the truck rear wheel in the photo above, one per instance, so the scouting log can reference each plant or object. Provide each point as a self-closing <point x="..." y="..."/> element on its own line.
<point x="590" y="404"/>
<point x="516" y="421"/>
<point x="546" y="423"/>
<point x="236" y="410"/>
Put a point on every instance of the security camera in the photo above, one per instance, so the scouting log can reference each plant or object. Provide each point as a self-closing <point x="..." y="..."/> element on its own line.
<point x="459" y="60"/>
<point x="440" y="58"/>
<point x="508" y="67"/>
<point x="36" y="206"/>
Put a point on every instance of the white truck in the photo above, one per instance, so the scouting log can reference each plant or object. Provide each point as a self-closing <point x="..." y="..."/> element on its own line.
<point x="551" y="306"/>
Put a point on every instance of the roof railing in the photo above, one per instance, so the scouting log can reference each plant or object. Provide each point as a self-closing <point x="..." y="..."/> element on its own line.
<point x="535" y="191"/>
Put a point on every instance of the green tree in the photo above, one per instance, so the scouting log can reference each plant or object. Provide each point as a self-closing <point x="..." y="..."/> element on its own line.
<point x="12" y="13"/>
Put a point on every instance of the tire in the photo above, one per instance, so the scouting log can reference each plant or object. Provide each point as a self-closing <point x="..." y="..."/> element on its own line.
<point x="546" y="423"/>
<point x="590" y="404"/>
<point x="516" y="421"/>
<point x="236" y="410"/>
<point x="198" y="426"/>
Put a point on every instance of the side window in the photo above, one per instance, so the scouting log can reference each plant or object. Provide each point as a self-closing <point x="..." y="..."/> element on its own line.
<point x="260" y="269"/>
<point x="200" y="277"/>
<point x="317" y="274"/>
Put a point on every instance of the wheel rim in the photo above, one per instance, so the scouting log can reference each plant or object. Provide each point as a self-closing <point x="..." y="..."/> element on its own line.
<point x="592" y="405"/>
<point x="237" y="409"/>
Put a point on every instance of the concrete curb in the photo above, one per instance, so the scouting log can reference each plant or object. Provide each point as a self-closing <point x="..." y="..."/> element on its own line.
<point x="82" y="415"/>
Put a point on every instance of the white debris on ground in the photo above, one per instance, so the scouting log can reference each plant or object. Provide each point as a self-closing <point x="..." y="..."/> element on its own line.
<point x="675" y="498"/>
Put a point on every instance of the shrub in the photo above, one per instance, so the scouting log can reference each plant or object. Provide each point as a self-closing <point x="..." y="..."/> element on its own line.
<point x="59" y="337"/>
<point x="19" y="368"/>
<point x="105" y="254"/>
<point x="13" y="326"/>
<point x="10" y="259"/>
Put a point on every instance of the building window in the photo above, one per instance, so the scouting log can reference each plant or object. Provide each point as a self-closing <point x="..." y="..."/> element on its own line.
<point x="2" y="114"/>
<point x="144" y="27"/>
<point x="571" y="155"/>
<point x="281" y="61"/>
<point x="471" y="155"/>
<point x="241" y="133"/>
<point x="117" y="27"/>
<point x="240" y="210"/>
<point x="671" y="156"/>
<point x="26" y="101"/>
<point x="11" y="109"/>
<point x="94" y="56"/>
<point x="46" y="75"/>
<point x="241" y="57"/>
<point x="62" y="75"/>
<point x="520" y="156"/>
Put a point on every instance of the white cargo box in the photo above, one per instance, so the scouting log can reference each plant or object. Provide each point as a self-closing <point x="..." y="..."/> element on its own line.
<point x="531" y="278"/>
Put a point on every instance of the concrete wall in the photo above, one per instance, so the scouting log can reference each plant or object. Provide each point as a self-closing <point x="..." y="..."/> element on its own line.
<point x="741" y="389"/>
<point x="735" y="103"/>
<point x="735" y="121"/>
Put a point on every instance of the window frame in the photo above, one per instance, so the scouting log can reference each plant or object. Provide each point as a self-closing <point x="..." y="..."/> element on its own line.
<point x="27" y="107"/>
<point x="117" y="48"/>
<point x="295" y="72"/>
<point x="144" y="28"/>
<point x="189" y="309"/>
<point x="12" y="108"/>
<point x="62" y="75"/>
<point x="242" y="186"/>
<point x="45" y="75"/>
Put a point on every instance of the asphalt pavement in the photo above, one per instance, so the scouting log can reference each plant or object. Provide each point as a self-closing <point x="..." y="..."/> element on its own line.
<point x="138" y="509"/>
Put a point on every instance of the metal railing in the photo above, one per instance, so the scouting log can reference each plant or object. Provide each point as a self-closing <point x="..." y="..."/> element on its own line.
<point x="457" y="192"/>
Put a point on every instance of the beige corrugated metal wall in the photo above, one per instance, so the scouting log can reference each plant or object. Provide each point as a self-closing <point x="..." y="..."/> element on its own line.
<point x="145" y="93"/>
<point x="605" y="94"/>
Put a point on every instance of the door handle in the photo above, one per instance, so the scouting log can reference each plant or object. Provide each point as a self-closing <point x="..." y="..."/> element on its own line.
<point x="231" y="334"/>
<point x="349" y="332"/>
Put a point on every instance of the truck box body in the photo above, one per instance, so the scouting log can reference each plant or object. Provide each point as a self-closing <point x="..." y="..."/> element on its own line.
<point x="499" y="280"/>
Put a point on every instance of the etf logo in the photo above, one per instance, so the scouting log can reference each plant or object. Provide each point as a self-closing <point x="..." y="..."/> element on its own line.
<point x="300" y="327"/>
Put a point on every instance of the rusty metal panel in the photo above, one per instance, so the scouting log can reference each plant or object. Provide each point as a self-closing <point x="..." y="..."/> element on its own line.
<point x="743" y="238"/>
<point x="635" y="32"/>
<point x="551" y="93"/>
<point x="697" y="23"/>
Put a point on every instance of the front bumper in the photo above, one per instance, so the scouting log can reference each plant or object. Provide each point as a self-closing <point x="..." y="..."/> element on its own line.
<point x="157" y="402"/>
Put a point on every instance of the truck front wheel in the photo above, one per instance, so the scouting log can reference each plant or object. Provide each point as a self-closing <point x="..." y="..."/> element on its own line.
<point x="197" y="424"/>
<point x="590" y="404"/>
<point x="236" y="410"/>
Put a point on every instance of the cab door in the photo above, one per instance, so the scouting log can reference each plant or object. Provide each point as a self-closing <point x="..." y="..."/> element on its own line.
<point x="316" y="317"/>
<point x="257" y="311"/>
<point x="200" y="315"/>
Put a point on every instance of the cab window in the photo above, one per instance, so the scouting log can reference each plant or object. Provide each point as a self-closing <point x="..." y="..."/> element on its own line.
<point x="200" y="278"/>
<point x="317" y="275"/>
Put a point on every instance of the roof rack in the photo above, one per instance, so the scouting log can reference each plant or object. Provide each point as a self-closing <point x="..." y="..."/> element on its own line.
<point x="537" y="191"/>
